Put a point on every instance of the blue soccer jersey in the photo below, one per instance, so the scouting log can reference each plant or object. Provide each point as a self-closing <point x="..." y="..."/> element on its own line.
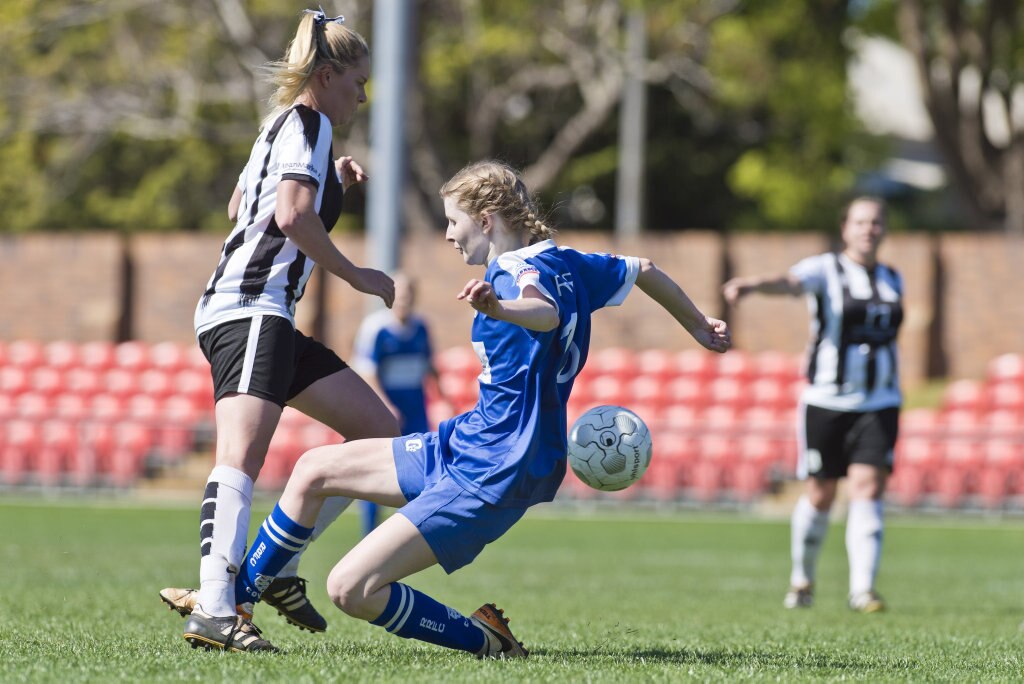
<point x="400" y="355"/>
<point x="510" y="449"/>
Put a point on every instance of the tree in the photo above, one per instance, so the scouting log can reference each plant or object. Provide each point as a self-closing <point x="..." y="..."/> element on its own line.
<point x="970" y="59"/>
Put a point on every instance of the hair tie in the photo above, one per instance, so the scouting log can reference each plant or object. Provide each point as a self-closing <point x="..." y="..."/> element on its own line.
<point x="320" y="17"/>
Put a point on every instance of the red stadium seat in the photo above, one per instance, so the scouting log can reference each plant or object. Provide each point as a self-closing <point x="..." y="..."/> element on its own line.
<point x="457" y="360"/>
<point x="708" y="481"/>
<point x="609" y="389"/>
<point x="952" y="484"/>
<point x="70" y="407"/>
<point x="647" y="389"/>
<point x="614" y="361"/>
<point x="736" y="364"/>
<point x="750" y="480"/>
<point x="907" y="485"/>
<point x="57" y="461"/>
<point x="34" y="405"/>
<point x="98" y="356"/>
<point x="157" y="383"/>
<point x="964" y="395"/>
<point x="84" y="382"/>
<point x="26" y="354"/>
<point x="1006" y="396"/>
<point x="22" y="441"/>
<point x="132" y="356"/>
<point x="14" y="380"/>
<point x="686" y="390"/>
<point x="699" y="365"/>
<point x="728" y="391"/>
<point x="659" y="364"/>
<point x="121" y="382"/>
<point x="62" y="355"/>
<point x="46" y="380"/>
<point x="169" y="357"/>
<point x="779" y="366"/>
<point x="1006" y="368"/>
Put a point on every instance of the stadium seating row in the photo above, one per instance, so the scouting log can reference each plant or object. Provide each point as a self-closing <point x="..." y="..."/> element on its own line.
<point x="98" y="413"/>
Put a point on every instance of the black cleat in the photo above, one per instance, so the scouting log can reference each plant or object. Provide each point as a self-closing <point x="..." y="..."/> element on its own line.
<point x="287" y="595"/>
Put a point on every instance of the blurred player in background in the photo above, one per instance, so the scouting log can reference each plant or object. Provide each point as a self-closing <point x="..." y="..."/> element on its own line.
<point x="288" y="198"/>
<point x="393" y="353"/>
<point x="462" y="487"/>
<point x="849" y="413"/>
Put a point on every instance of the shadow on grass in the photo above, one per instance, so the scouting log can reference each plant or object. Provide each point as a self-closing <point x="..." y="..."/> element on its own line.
<point x="727" y="658"/>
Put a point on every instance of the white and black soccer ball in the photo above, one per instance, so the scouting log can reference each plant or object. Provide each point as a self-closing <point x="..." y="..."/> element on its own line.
<point x="609" y="448"/>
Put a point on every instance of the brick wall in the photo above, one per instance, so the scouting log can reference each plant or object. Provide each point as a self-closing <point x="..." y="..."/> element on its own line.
<point x="72" y="287"/>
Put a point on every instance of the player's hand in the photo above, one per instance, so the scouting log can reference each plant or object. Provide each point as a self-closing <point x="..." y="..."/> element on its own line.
<point x="714" y="335"/>
<point x="349" y="171"/>
<point x="374" y="282"/>
<point x="481" y="297"/>
<point x="733" y="290"/>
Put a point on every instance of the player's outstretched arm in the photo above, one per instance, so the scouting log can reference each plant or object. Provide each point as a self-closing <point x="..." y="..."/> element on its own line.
<point x="737" y="288"/>
<point x="533" y="311"/>
<point x="711" y="333"/>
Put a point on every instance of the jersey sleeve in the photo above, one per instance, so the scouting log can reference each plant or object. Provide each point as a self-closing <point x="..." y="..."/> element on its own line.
<point x="303" y="148"/>
<point x="512" y="276"/>
<point x="811" y="273"/>
<point x="241" y="178"/>
<point x="607" y="277"/>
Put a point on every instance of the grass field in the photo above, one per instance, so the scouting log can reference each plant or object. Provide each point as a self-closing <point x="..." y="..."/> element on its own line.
<point x="601" y="598"/>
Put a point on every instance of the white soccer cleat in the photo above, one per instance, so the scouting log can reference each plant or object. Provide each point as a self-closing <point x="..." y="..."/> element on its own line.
<point x="867" y="602"/>
<point x="799" y="597"/>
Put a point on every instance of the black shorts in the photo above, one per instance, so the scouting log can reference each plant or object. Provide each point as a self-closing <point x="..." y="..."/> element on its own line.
<point x="266" y="357"/>
<point x="831" y="440"/>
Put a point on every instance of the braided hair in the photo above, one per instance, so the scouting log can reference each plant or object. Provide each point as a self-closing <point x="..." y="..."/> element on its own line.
<point x="487" y="187"/>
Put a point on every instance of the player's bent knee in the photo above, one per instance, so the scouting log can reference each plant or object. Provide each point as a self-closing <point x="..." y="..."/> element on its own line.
<point x="349" y="594"/>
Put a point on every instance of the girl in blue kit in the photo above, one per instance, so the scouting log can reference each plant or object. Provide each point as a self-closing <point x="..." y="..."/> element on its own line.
<point x="462" y="487"/>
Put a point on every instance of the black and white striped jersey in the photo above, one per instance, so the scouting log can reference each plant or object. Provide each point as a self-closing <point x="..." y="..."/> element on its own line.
<point x="855" y="315"/>
<point x="261" y="271"/>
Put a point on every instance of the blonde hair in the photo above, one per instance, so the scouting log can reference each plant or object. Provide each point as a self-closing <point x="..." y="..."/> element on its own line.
<point x="491" y="186"/>
<point x="314" y="45"/>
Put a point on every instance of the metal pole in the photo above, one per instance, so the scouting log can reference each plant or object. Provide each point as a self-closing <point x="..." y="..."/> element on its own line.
<point x="629" y="185"/>
<point x="391" y="20"/>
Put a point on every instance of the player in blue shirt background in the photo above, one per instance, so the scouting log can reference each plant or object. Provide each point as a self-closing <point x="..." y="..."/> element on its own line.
<point x="393" y="353"/>
<point x="464" y="486"/>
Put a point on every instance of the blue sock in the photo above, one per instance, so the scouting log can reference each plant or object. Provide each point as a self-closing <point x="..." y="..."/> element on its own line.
<point x="369" y="510"/>
<point x="414" y="615"/>
<point x="279" y="539"/>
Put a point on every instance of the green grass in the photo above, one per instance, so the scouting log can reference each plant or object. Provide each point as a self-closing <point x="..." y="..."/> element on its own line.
<point x="602" y="599"/>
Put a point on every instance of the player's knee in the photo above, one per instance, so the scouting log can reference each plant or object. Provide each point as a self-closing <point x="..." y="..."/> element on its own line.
<point x="308" y="475"/>
<point x="349" y="593"/>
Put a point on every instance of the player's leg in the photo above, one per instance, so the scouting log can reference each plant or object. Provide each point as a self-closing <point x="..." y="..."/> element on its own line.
<point x="245" y="425"/>
<point x="817" y="449"/>
<point x="325" y="389"/>
<point x="359" y="469"/>
<point x="872" y="442"/>
<point x="445" y="525"/>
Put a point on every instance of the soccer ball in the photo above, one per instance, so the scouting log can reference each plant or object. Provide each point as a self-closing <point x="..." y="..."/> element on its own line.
<point x="609" y="448"/>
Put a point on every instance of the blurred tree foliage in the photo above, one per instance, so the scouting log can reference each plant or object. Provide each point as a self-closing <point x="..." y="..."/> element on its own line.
<point x="138" y="114"/>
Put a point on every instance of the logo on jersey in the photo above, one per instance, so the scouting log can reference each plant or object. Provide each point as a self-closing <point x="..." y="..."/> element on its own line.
<point x="299" y="167"/>
<point x="414" y="445"/>
<point x="523" y="269"/>
<point x="563" y="280"/>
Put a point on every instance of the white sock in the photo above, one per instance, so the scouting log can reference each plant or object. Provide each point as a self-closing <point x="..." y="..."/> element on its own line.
<point x="864" y="528"/>
<point x="807" y="534"/>
<point x="329" y="512"/>
<point x="223" y="527"/>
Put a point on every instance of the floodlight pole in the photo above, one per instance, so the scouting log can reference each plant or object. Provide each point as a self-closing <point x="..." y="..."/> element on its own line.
<point x="629" y="183"/>
<point x="391" y="23"/>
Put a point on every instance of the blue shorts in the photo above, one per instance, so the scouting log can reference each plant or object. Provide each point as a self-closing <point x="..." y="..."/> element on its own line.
<point x="456" y="524"/>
